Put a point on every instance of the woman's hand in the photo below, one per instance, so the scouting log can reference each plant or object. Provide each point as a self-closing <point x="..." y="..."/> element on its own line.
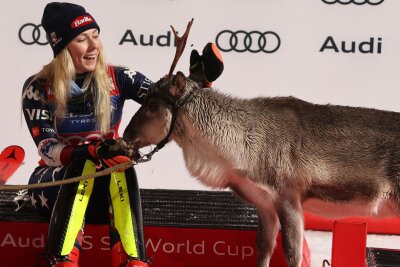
<point x="108" y="152"/>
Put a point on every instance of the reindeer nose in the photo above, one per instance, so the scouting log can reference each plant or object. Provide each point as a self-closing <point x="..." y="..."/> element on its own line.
<point x="127" y="136"/>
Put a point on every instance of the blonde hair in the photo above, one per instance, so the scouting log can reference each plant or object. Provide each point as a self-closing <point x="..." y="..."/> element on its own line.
<point x="61" y="71"/>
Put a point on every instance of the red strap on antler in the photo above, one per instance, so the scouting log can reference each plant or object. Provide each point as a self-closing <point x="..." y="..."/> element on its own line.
<point x="180" y="45"/>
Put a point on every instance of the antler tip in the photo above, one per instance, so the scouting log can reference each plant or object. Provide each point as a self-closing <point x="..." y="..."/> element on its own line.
<point x="180" y="45"/>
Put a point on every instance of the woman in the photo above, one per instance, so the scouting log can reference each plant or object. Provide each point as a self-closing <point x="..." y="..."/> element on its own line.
<point x="67" y="107"/>
<point x="73" y="108"/>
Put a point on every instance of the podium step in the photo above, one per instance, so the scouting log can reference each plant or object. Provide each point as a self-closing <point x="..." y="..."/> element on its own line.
<point x="182" y="208"/>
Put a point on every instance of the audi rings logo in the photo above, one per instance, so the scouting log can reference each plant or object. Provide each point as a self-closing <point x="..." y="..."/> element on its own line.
<point x="242" y="41"/>
<point x="30" y="34"/>
<point x="355" y="2"/>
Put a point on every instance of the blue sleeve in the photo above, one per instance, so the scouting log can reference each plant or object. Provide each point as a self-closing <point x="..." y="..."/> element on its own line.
<point x="36" y="111"/>
<point x="132" y="84"/>
<point x="39" y="120"/>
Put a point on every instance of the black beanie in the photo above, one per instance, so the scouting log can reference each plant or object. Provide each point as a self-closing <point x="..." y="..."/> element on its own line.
<point x="63" y="22"/>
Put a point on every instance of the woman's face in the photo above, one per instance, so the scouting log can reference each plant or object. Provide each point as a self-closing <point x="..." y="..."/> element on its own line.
<point x="84" y="50"/>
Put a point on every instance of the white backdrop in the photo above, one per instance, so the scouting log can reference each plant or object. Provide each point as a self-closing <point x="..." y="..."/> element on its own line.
<point x="305" y="64"/>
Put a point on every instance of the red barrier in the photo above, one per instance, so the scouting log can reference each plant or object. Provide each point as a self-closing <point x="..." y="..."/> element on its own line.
<point x="387" y="226"/>
<point x="349" y="244"/>
<point x="22" y="244"/>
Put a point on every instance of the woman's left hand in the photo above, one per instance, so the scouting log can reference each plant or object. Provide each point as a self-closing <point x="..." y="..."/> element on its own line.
<point x="109" y="153"/>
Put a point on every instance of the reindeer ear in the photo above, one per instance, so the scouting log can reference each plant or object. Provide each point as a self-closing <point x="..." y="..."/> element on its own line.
<point x="180" y="80"/>
<point x="178" y="84"/>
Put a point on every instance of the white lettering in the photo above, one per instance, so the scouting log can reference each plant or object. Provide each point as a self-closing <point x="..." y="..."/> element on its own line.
<point x="178" y="248"/>
<point x="168" y="248"/>
<point x="86" y="242"/>
<point x="105" y="240"/>
<point x="235" y="251"/>
<point x="150" y="243"/>
<point x="38" y="242"/>
<point x="81" y="21"/>
<point x="8" y="240"/>
<point x="222" y="249"/>
<point x="82" y="121"/>
<point x="30" y="94"/>
<point x="247" y="251"/>
<point x="31" y="113"/>
<point x="216" y="251"/>
<point x="22" y="242"/>
<point x="131" y="74"/>
<point x="199" y="248"/>
<point x="37" y="114"/>
<point x="48" y="130"/>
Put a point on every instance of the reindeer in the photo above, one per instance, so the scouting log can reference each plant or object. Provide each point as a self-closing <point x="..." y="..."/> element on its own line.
<point x="282" y="154"/>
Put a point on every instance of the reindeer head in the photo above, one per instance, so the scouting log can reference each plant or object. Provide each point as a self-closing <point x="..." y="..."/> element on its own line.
<point x="153" y="122"/>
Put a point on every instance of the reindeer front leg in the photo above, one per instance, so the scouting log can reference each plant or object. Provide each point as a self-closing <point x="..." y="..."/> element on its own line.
<point x="263" y="199"/>
<point x="292" y="226"/>
<point x="268" y="227"/>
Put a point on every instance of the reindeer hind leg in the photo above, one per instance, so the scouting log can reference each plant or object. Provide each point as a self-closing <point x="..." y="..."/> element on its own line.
<point x="268" y="227"/>
<point x="267" y="231"/>
<point x="292" y="226"/>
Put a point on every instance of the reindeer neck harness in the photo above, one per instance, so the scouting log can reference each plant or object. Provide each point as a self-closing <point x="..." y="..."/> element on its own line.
<point x="176" y="105"/>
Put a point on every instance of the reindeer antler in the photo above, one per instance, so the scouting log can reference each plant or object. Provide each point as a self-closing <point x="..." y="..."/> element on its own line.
<point x="180" y="45"/>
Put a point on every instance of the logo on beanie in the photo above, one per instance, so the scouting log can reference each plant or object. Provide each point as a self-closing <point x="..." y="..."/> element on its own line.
<point x="54" y="40"/>
<point x="81" y="21"/>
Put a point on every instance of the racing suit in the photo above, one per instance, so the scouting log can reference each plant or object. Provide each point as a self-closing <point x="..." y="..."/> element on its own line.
<point x="63" y="149"/>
